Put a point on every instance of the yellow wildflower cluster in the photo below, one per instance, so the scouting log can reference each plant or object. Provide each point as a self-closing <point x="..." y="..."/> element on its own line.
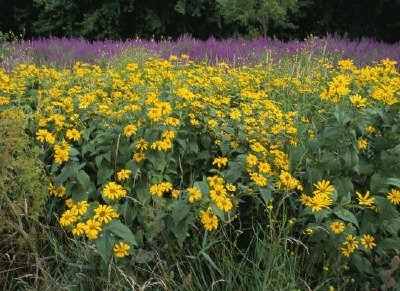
<point x="322" y="197"/>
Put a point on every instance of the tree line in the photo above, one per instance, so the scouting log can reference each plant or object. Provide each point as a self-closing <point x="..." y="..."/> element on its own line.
<point x="122" y="19"/>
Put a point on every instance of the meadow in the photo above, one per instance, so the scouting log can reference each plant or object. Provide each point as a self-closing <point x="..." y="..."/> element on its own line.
<point x="190" y="165"/>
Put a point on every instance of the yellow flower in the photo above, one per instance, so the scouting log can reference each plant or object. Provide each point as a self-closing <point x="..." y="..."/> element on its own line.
<point x="56" y="192"/>
<point x="138" y="157"/>
<point x="365" y="200"/>
<point x="130" y="130"/>
<point x="73" y="134"/>
<point x="141" y="145"/>
<point x="231" y="187"/>
<point x="175" y="193"/>
<point x="69" y="203"/>
<point x="368" y="241"/>
<point x="68" y="217"/>
<point x="337" y="227"/>
<point x="79" y="229"/>
<point x="251" y="160"/>
<point x="394" y="196"/>
<point x="121" y="250"/>
<point x="324" y="188"/>
<point x="209" y="220"/>
<point x="220" y="161"/>
<point x="358" y="101"/>
<point x="114" y="191"/>
<point x="215" y="180"/>
<point x="194" y="194"/>
<point x="370" y="129"/>
<point x="218" y="192"/>
<point x="81" y="207"/>
<point x="362" y="144"/>
<point x="61" y="156"/>
<point x="43" y="135"/>
<point x="92" y="228"/>
<point x="104" y="213"/>
<point x="123" y="174"/>
<point x="225" y="204"/>
<point x="320" y="201"/>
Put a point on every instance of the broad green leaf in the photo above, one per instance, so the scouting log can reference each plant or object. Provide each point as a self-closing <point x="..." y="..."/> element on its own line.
<point x="390" y="244"/>
<point x="179" y="210"/>
<point x="346" y="216"/>
<point x="105" y="244"/>
<point x="103" y="175"/>
<point x="83" y="179"/>
<point x="117" y="227"/>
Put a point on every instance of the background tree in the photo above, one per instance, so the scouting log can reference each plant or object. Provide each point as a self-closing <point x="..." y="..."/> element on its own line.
<point x="258" y="15"/>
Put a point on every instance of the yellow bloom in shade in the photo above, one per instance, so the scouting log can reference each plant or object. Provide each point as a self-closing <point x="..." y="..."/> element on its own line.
<point x="80" y="207"/>
<point x="141" y="145"/>
<point x="214" y="180"/>
<point x="251" y="160"/>
<point x="105" y="213"/>
<point x="73" y="134"/>
<point x="43" y="135"/>
<point x="194" y="194"/>
<point x="218" y="192"/>
<point x="358" y="101"/>
<point x="220" y="161"/>
<point x="92" y="228"/>
<point x="114" y="191"/>
<point x="79" y="229"/>
<point x="209" y="220"/>
<point x="175" y="193"/>
<point x="121" y="249"/>
<point x="368" y="241"/>
<point x="394" y="196"/>
<point x="56" y="192"/>
<point x="349" y="245"/>
<point x="123" y="174"/>
<point x="138" y="157"/>
<point x="362" y="144"/>
<point x="61" y="156"/>
<point x="225" y="204"/>
<point x="365" y="200"/>
<point x="324" y="188"/>
<point x="68" y="217"/>
<point x="130" y="130"/>
<point x="69" y="202"/>
<point x="231" y="187"/>
<point x="337" y="227"/>
<point x="319" y="202"/>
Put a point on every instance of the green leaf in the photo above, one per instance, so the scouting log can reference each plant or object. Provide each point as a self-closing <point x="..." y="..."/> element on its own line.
<point x="142" y="192"/>
<point x="346" y="216"/>
<point x="180" y="231"/>
<point x="117" y="227"/>
<point x="209" y="260"/>
<point x="394" y="182"/>
<point x="105" y="244"/>
<point x="362" y="264"/>
<point x="103" y="174"/>
<point x="179" y="210"/>
<point x="266" y="194"/>
<point x="378" y="183"/>
<point x="225" y="148"/>
<point x="390" y="244"/>
<point x="83" y="179"/>
<point x="193" y="147"/>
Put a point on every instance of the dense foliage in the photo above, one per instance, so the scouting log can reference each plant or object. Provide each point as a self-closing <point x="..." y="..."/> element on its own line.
<point x="283" y="174"/>
<point x="117" y="19"/>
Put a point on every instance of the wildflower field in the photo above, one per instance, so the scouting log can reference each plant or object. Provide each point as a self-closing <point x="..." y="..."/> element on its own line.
<point x="161" y="172"/>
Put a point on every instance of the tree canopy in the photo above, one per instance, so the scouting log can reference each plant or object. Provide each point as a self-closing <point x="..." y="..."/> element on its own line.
<point x="121" y="19"/>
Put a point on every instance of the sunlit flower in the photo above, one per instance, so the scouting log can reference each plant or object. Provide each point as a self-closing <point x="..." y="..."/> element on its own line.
<point x="121" y="250"/>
